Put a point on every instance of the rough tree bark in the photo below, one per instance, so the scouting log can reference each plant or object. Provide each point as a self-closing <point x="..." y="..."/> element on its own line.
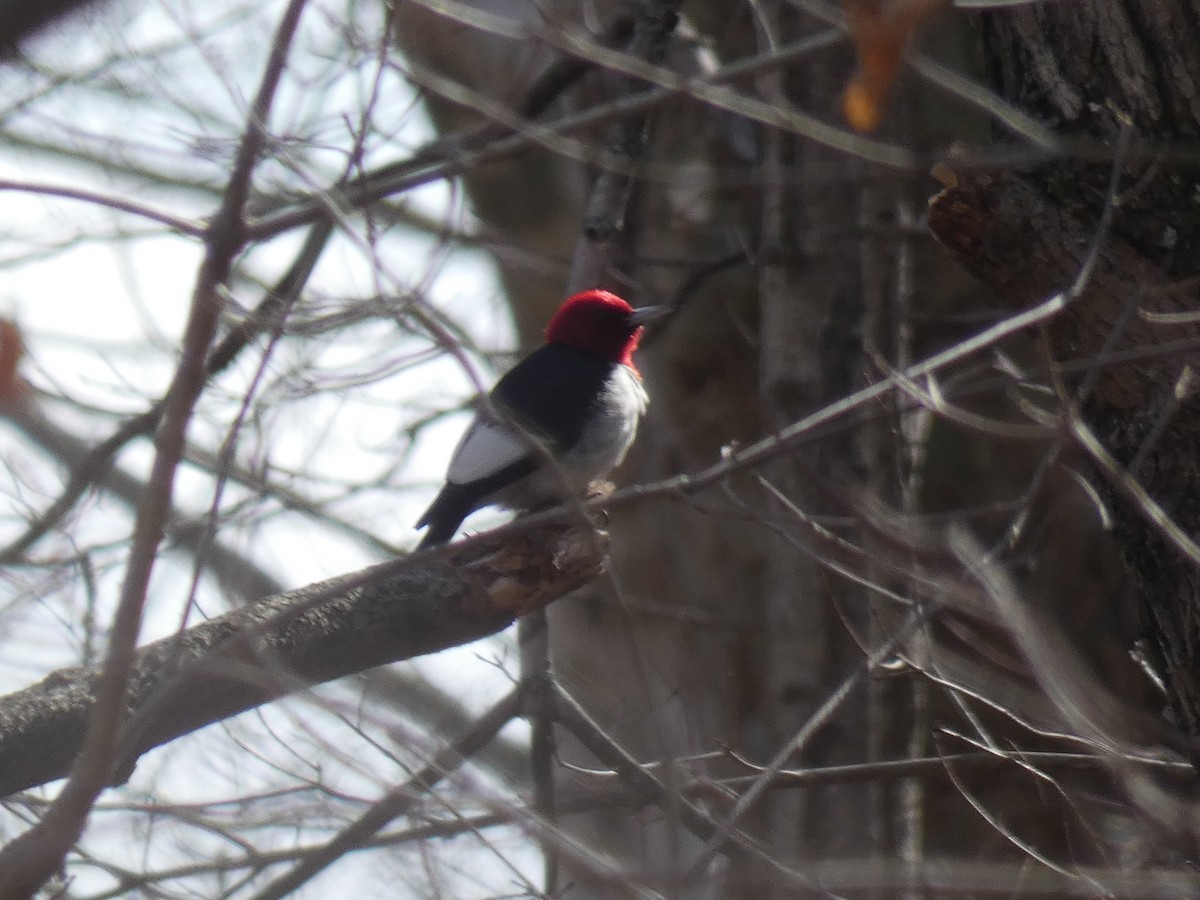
<point x="279" y="645"/>
<point x="1093" y="70"/>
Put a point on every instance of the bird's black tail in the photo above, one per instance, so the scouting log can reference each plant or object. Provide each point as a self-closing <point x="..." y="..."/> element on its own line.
<point x="438" y="533"/>
<point x="455" y="502"/>
<point x="452" y="504"/>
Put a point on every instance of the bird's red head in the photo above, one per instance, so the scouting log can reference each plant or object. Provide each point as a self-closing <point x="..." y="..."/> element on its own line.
<point x="598" y="323"/>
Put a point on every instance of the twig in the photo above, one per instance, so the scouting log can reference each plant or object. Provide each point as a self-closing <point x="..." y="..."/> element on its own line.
<point x="934" y="769"/>
<point x="650" y="789"/>
<point x="29" y="860"/>
<point x="398" y="800"/>
<point x="449" y="160"/>
<point x="802" y="737"/>
<point x="175" y="223"/>
<point x="1129" y="488"/>
<point x="239" y="575"/>
<point x="99" y="460"/>
<point x="785" y="118"/>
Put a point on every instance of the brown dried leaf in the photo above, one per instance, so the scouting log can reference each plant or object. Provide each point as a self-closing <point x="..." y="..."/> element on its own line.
<point x="881" y="31"/>
<point x="12" y="348"/>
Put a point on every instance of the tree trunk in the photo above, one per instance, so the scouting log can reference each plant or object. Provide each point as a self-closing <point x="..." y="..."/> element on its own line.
<point x="1096" y="71"/>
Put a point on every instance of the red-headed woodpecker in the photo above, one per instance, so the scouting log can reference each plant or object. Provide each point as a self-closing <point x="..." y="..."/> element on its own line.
<point x="575" y="400"/>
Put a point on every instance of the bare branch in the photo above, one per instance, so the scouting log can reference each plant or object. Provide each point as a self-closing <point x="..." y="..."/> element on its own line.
<point x="29" y="860"/>
<point x="397" y="801"/>
<point x="284" y="643"/>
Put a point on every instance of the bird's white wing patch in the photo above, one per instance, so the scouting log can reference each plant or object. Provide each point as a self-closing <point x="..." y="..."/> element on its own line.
<point x="484" y="450"/>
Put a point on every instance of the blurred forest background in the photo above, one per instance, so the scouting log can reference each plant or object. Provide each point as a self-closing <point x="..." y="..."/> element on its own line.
<point x="901" y="596"/>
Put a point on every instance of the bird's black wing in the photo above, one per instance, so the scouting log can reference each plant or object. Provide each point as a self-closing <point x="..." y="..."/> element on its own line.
<point x="552" y="392"/>
<point x="455" y="502"/>
<point x="550" y="395"/>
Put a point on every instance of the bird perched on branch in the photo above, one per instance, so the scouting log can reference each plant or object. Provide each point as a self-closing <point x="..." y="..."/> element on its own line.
<point x="561" y="418"/>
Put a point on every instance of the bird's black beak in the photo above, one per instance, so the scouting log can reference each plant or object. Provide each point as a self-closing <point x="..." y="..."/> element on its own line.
<point x="648" y="314"/>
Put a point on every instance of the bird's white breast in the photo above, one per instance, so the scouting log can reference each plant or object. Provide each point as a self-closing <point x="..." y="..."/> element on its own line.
<point x="610" y="430"/>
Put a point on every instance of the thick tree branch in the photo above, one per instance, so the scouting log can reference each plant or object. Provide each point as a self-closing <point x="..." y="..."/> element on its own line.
<point x="284" y="643"/>
<point x="1007" y="233"/>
